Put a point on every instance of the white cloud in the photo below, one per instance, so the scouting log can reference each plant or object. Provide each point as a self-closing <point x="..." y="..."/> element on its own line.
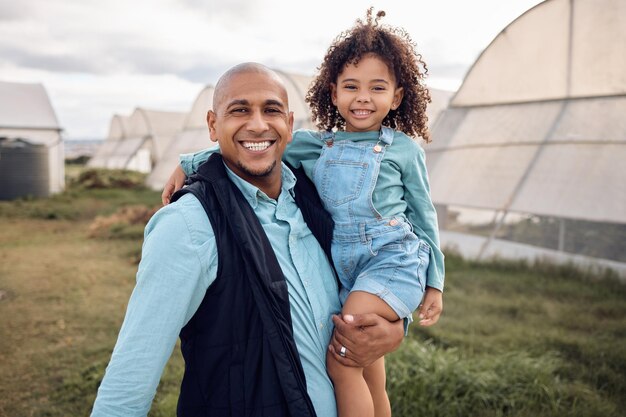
<point x="98" y="57"/>
<point x="86" y="102"/>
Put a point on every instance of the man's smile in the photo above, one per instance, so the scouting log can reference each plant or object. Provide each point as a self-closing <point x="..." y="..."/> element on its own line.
<point x="257" y="146"/>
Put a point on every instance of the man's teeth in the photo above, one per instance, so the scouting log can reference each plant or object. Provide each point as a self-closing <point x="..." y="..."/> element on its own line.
<point x="257" y="146"/>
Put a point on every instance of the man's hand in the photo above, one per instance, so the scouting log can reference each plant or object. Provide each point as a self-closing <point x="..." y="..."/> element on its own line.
<point x="366" y="337"/>
<point x="173" y="184"/>
<point x="431" y="307"/>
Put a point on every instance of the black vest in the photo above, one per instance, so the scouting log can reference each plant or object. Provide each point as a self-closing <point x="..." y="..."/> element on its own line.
<point x="239" y="351"/>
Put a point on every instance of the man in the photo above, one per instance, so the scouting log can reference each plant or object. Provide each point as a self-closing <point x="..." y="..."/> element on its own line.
<point x="250" y="291"/>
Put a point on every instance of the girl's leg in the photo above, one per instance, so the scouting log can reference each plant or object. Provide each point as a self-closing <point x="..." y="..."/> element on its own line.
<point x="376" y="379"/>
<point x="356" y="396"/>
<point x="351" y="391"/>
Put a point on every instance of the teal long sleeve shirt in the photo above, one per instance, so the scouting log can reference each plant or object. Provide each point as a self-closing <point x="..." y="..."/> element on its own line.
<point x="179" y="263"/>
<point x="402" y="186"/>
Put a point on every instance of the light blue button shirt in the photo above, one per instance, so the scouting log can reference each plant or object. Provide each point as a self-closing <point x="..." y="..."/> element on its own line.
<point x="179" y="263"/>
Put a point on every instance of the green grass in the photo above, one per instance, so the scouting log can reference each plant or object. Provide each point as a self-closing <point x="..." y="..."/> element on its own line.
<point x="514" y="339"/>
<point x="517" y="340"/>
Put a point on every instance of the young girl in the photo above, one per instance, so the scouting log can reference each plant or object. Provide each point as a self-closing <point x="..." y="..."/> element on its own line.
<point x="373" y="181"/>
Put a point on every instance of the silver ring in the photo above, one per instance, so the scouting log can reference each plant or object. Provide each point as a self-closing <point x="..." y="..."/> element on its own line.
<point x="342" y="351"/>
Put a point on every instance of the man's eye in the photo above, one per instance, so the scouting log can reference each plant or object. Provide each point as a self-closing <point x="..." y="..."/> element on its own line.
<point x="239" y="110"/>
<point x="273" y="110"/>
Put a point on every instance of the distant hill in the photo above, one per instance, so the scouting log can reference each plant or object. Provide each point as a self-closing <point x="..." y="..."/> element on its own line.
<point x="75" y="148"/>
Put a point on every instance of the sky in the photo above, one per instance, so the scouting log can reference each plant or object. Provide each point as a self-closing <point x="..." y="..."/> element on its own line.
<point x="99" y="58"/>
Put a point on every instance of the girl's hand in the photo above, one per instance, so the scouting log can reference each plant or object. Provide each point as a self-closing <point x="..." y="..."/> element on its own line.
<point x="173" y="184"/>
<point x="431" y="307"/>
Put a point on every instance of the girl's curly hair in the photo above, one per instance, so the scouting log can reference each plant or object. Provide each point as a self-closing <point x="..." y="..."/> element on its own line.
<point x="395" y="47"/>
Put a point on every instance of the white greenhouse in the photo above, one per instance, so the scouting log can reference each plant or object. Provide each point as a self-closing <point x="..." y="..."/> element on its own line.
<point x="28" y="121"/>
<point x="534" y="139"/>
<point x="137" y="142"/>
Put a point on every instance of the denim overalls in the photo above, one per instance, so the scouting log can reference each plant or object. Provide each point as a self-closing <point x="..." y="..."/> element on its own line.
<point x="381" y="256"/>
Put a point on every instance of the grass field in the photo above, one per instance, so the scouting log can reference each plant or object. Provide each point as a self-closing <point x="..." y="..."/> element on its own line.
<point x="514" y="340"/>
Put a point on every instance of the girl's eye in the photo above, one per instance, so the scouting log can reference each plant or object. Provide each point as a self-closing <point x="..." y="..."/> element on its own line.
<point x="379" y="88"/>
<point x="350" y="87"/>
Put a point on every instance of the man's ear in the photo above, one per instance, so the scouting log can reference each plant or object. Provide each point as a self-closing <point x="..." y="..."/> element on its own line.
<point x="397" y="98"/>
<point x="290" y="127"/>
<point x="210" y="120"/>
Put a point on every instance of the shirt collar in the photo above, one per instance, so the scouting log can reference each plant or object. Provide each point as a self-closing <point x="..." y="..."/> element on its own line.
<point x="357" y="136"/>
<point x="253" y="194"/>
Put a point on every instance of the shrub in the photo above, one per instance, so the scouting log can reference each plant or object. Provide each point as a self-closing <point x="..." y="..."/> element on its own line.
<point x="424" y="380"/>
<point x="126" y="223"/>
<point x="110" y="178"/>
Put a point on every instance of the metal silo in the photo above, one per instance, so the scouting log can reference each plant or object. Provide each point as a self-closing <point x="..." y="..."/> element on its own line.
<point x="24" y="169"/>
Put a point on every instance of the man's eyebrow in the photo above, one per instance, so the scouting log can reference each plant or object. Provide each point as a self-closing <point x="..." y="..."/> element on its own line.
<point x="244" y="102"/>
<point x="238" y="102"/>
<point x="275" y="103"/>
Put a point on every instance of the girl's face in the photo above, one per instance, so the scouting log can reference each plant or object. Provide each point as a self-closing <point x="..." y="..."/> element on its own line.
<point x="365" y="93"/>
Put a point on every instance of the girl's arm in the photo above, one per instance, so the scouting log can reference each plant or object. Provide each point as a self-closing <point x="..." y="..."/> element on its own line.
<point x="189" y="163"/>
<point x="304" y="150"/>
<point x="422" y="215"/>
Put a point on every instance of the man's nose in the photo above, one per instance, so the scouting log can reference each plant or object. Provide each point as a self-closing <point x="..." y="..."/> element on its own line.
<point x="257" y="122"/>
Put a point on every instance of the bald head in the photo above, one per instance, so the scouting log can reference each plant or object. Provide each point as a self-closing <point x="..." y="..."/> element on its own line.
<point x="241" y="69"/>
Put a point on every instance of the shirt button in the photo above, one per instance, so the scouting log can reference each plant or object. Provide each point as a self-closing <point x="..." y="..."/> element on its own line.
<point x="321" y="325"/>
